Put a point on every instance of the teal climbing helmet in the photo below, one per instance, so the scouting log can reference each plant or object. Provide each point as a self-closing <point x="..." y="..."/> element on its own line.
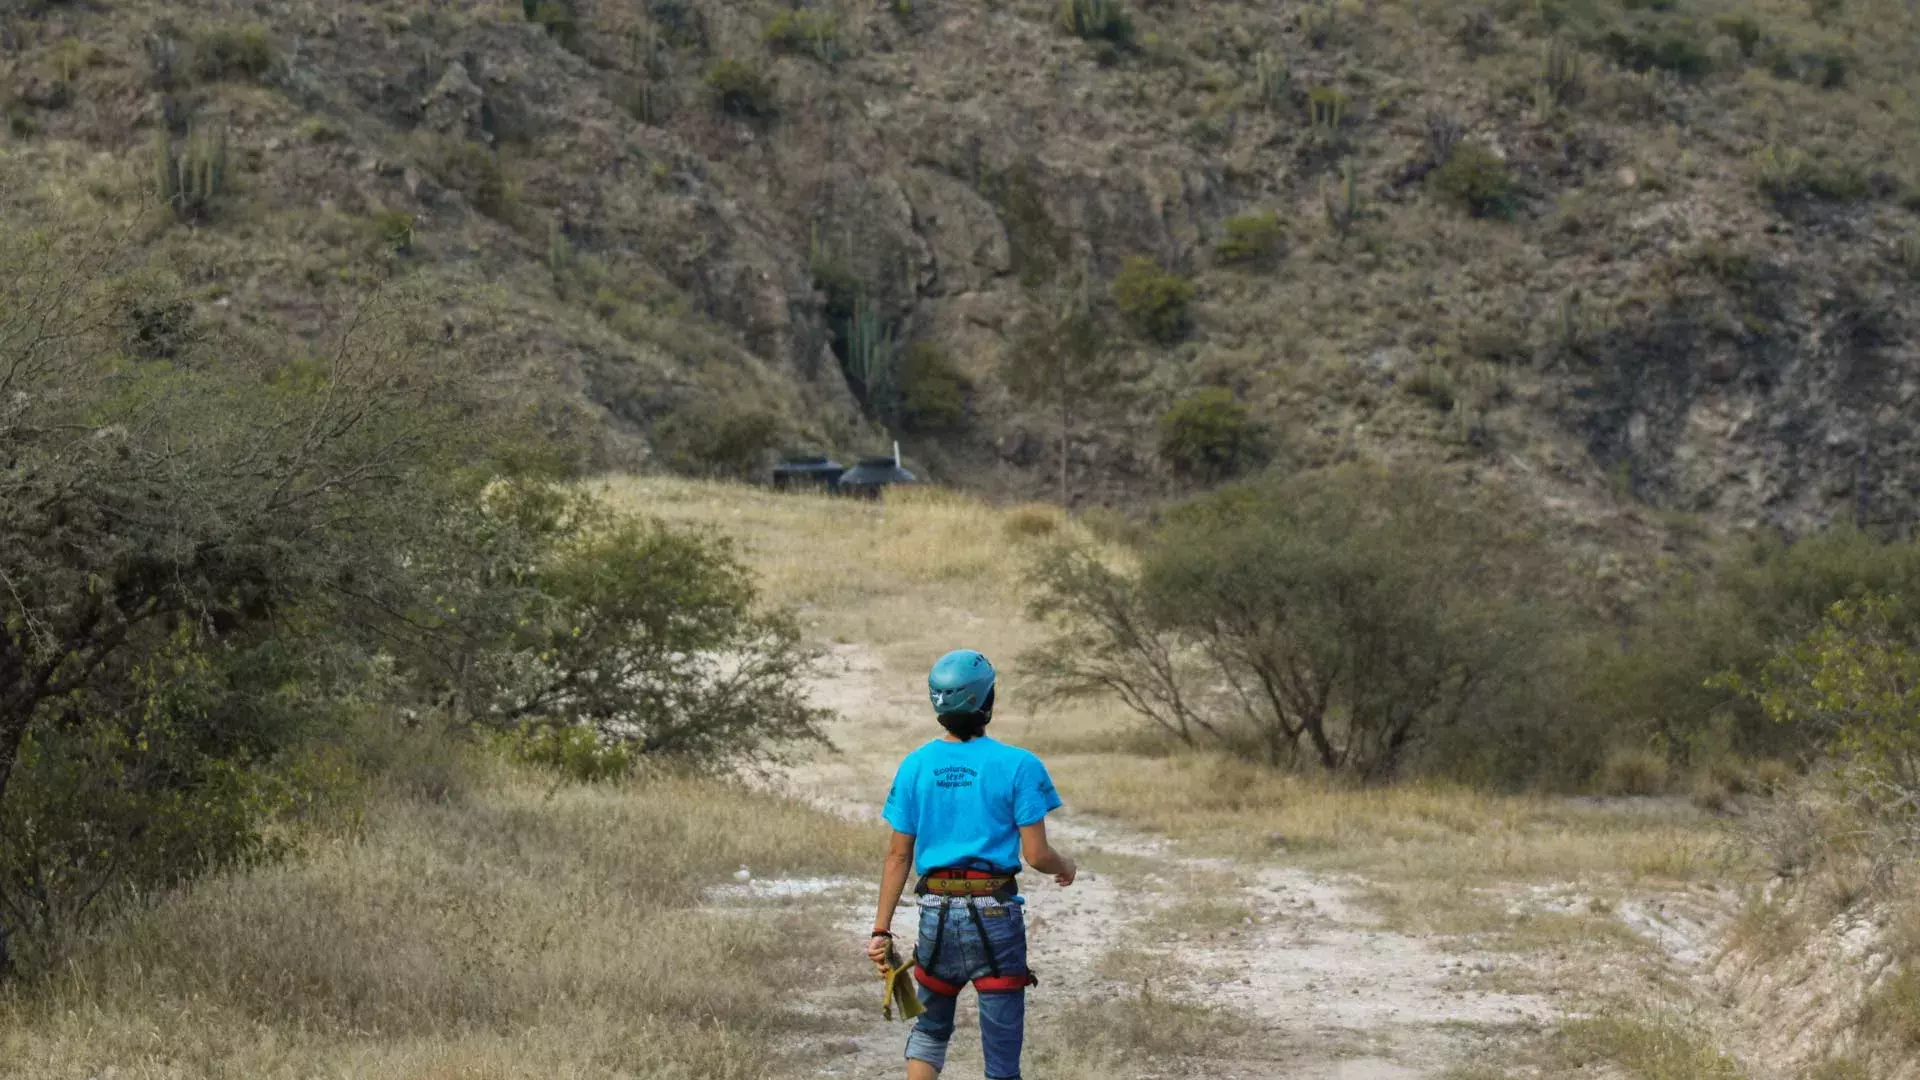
<point x="961" y="682"/>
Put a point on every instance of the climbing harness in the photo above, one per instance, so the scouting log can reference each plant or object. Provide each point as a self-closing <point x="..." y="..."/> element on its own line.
<point x="900" y="993"/>
<point x="956" y="882"/>
<point x="959" y="881"/>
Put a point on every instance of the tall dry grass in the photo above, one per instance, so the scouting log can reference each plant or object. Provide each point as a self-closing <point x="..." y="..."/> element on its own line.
<point x="527" y="930"/>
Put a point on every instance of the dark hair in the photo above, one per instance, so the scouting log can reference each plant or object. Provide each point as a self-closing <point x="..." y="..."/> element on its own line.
<point x="968" y="726"/>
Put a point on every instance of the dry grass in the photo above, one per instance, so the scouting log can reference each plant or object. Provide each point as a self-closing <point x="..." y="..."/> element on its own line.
<point x="1653" y="1047"/>
<point x="1140" y="1033"/>
<point x="527" y="931"/>
<point x="1435" y="831"/>
<point x="926" y="571"/>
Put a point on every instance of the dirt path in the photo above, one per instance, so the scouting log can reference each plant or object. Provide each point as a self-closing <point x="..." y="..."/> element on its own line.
<point x="1327" y="991"/>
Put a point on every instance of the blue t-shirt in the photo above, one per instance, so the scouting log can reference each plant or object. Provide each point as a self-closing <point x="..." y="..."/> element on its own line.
<point x="966" y="802"/>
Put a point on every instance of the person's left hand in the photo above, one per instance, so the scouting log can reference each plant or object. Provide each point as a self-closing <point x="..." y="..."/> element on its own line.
<point x="877" y="951"/>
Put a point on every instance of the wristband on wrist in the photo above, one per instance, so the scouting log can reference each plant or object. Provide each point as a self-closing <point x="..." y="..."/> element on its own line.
<point x="888" y="934"/>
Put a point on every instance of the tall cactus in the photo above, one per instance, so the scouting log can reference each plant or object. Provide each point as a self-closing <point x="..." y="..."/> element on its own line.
<point x="1561" y="73"/>
<point x="1326" y="110"/>
<point x="1342" y="201"/>
<point x="871" y="348"/>
<point x="192" y="175"/>
<point x="1271" y="80"/>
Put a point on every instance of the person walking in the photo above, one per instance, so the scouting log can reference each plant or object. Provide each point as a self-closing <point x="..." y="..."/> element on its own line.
<point x="965" y="810"/>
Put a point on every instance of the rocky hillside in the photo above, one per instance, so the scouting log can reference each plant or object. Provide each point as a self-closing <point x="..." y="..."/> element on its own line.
<point x="1659" y="248"/>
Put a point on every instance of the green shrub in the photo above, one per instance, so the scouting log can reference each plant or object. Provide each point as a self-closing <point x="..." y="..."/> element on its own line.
<point x="577" y="752"/>
<point x="741" y="89"/>
<point x="475" y="172"/>
<point x="720" y="437"/>
<point x="838" y="282"/>
<point x="395" y="230"/>
<point x="1098" y="20"/>
<point x="1478" y="180"/>
<point x="1745" y="31"/>
<point x="232" y="52"/>
<point x="1210" y="435"/>
<point x="1762" y="592"/>
<point x="1156" y="302"/>
<point x="1667" y="49"/>
<point x="933" y="393"/>
<point x="558" y="18"/>
<point x="1853" y="683"/>
<point x="1251" y="238"/>
<point x="1434" y="385"/>
<point x="1364" y="611"/>
<point x="805" y="31"/>
<point x="1790" y="178"/>
<point x="104" y="807"/>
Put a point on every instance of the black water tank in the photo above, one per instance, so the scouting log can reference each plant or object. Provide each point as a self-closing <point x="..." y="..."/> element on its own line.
<point x="807" y="472"/>
<point x="873" y="475"/>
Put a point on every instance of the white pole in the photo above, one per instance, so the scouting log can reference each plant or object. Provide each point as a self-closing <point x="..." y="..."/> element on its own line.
<point x="896" y="453"/>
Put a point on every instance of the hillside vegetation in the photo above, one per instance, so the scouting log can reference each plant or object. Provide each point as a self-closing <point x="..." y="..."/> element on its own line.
<point x="1659" y="248"/>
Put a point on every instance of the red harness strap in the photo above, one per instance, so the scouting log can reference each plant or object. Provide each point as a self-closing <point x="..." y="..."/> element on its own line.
<point x="1002" y="984"/>
<point x="985" y="984"/>
<point x="938" y="986"/>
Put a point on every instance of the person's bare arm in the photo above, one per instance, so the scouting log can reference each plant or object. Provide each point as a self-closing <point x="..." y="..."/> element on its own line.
<point x="893" y="880"/>
<point x="1042" y="857"/>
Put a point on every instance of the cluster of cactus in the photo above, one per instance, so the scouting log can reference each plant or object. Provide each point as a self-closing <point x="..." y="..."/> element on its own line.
<point x="1444" y="132"/>
<point x="806" y="31"/>
<point x="191" y="175"/>
<point x="1907" y="250"/>
<point x="1319" y="23"/>
<point x="647" y="54"/>
<point x="871" y="349"/>
<point x="1562" y="75"/>
<point x="1342" y="200"/>
<point x="1097" y="20"/>
<point x="1272" y="83"/>
<point x="1326" y="110"/>
<point x="1579" y="325"/>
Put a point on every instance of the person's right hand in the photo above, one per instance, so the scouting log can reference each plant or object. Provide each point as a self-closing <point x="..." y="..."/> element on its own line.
<point x="1065" y="877"/>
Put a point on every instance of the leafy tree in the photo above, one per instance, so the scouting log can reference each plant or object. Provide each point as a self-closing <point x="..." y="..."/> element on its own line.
<point x="1479" y="180"/>
<point x="555" y="612"/>
<point x="1853" y="685"/>
<point x="210" y="561"/>
<point x="1657" y="681"/>
<point x="1062" y="364"/>
<point x="175" y="542"/>
<point x="1211" y="436"/>
<point x="1342" y="618"/>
